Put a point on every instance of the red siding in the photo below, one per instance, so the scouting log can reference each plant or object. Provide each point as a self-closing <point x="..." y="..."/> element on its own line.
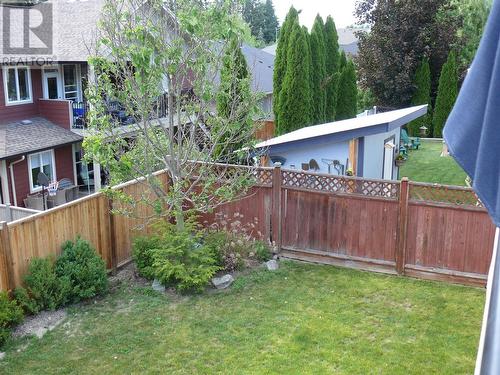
<point x="56" y="111"/>
<point x="64" y="169"/>
<point x="21" y="111"/>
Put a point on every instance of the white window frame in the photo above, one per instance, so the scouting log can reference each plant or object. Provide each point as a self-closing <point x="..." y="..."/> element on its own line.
<point x="5" y="86"/>
<point x="34" y="189"/>
<point x="78" y="81"/>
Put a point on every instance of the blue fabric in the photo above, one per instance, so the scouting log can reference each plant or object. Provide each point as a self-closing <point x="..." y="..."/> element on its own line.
<point x="472" y="131"/>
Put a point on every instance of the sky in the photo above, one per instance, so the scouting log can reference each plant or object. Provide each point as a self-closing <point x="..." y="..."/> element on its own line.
<point x="340" y="10"/>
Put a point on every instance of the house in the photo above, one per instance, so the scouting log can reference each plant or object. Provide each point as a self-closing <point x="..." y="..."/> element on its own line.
<point x="261" y="67"/>
<point x="42" y="101"/>
<point x="366" y="145"/>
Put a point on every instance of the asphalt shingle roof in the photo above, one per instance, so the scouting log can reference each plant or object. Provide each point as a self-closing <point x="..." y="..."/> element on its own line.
<point x="18" y="139"/>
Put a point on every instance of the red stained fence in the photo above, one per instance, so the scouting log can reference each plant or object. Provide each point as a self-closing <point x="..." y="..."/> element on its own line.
<point x="397" y="227"/>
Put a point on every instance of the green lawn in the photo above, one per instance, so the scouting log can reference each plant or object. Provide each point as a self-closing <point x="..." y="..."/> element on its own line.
<point x="426" y="165"/>
<point x="302" y="319"/>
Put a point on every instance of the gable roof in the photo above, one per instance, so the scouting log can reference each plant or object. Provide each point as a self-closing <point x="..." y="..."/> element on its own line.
<point x="351" y="128"/>
<point x="261" y="66"/>
<point x="18" y="139"/>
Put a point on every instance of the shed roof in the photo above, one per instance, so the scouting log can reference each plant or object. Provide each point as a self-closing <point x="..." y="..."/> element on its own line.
<point x="18" y="139"/>
<point x="360" y="126"/>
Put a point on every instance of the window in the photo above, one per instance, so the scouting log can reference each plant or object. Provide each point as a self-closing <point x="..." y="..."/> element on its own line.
<point x="17" y="85"/>
<point x="71" y="82"/>
<point x="41" y="162"/>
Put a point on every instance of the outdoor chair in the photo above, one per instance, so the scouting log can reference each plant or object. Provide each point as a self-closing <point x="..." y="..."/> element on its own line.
<point x="411" y="143"/>
<point x="58" y="199"/>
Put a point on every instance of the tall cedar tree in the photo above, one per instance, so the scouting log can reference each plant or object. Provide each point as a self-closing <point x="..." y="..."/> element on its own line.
<point x="342" y="61"/>
<point x="262" y="20"/>
<point x="318" y="71"/>
<point x="308" y="96"/>
<point x="422" y="95"/>
<point x="348" y="93"/>
<point x="234" y="90"/>
<point x="446" y="95"/>
<point x="332" y="62"/>
<point x="294" y="110"/>
<point x="280" y="63"/>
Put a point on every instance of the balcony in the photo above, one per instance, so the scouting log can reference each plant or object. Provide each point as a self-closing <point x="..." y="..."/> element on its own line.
<point x="116" y="111"/>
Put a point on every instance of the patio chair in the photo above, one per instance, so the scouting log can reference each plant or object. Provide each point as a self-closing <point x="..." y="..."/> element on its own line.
<point x="35" y="202"/>
<point x="58" y="199"/>
<point x="411" y="143"/>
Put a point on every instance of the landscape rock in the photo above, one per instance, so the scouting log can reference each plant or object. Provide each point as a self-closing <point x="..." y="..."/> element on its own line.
<point x="158" y="286"/>
<point x="2" y="355"/>
<point x="272" y="265"/>
<point x="223" y="282"/>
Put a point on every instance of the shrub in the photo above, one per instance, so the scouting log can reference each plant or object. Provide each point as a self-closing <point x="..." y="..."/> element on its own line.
<point x="44" y="290"/>
<point x="262" y="251"/>
<point x="229" y="250"/>
<point x="83" y="268"/>
<point x="181" y="260"/>
<point x="10" y="315"/>
<point x="142" y="254"/>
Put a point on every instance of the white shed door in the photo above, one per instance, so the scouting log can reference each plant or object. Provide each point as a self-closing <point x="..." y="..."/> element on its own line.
<point x="388" y="160"/>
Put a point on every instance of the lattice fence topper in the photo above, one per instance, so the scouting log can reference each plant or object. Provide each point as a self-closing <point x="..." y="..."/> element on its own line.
<point x="263" y="176"/>
<point x="444" y="194"/>
<point x="340" y="184"/>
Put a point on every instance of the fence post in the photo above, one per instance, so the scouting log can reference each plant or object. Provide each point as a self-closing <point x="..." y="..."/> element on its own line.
<point x="6" y="256"/>
<point x="402" y="226"/>
<point x="112" y="237"/>
<point x="276" y="207"/>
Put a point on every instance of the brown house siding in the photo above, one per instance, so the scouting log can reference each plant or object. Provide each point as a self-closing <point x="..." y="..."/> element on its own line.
<point x="56" y="111"/>
<point x="21" y="111"/>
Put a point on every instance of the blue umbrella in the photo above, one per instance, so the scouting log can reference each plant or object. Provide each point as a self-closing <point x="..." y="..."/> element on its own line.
<point x="472" y="134"/>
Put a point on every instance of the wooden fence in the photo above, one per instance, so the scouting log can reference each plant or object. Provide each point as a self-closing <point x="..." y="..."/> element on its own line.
<point x="421" y="230"/>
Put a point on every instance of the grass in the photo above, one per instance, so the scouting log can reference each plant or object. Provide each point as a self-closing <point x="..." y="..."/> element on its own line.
<point x="301" y="319"/>
<point x="426" y="165"/>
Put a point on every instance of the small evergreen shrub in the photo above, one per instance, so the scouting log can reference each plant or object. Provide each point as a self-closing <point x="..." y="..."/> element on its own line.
<point x="181" y="259"/>
<point x="44" y="290"/>
<point x="142" y="254"/>
<point x="10" y="315"/>
<point x="83" y="268"/>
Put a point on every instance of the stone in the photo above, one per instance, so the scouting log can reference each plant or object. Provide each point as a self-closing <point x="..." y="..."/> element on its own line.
<point x="2" y="355"/>
<point x="272" y="265"/>
<point x="158" y="286"/>
<point x="223" y="282"/>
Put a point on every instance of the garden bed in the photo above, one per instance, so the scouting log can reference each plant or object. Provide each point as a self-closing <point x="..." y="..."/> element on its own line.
<point x="301" y="318"/>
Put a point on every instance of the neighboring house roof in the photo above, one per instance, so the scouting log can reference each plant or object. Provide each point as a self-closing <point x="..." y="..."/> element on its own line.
<point x="271" y="49"/>
<point x="351" y="128"/>
<point x="18" y="139"/>
<point x="261" y="66"/>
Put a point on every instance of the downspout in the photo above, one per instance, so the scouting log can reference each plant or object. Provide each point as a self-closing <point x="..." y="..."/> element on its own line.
<point x="12" y="180"/>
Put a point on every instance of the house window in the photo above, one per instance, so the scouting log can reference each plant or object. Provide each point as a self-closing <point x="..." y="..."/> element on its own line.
<point x="17" y="85"/>
<point x="71" y="82"/>
<point x="41" y="162"/>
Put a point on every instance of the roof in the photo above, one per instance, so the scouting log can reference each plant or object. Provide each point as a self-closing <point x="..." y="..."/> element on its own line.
<point x="271" y="49"/>
<point x="18" y="139"/>
<point x="74" y="28"/>
<point x="360" y="126"/>
<point x="261" y="66"/>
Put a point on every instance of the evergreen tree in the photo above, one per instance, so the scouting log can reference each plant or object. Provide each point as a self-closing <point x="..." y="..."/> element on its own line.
<point x="308" y="96"/>
<point x="446" y="95"/>
<point x="294" y="110"/>
<point x="270" y="22"/>
<point x="348" y="93"/>
<point x="280" y="63"/>
<point x="422" y="95"/>
<point x="342" y="61"/>
<point x="332" y="61"/>
<point x="234" y="80"/>
<point x="234" y="91"/>
<point x="318" y="71"/>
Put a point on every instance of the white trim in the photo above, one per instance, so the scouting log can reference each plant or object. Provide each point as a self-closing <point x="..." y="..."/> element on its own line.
<point x="5" y="182"/>
<point x="8" y="102"/>
<point x="54" y="177"/>
<point x="78" y="78"/>
<point x="73" y="150"/>
<point x="45" y="74"/>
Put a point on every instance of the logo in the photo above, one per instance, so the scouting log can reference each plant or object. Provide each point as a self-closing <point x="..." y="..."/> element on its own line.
<point x="27" y="30"/>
